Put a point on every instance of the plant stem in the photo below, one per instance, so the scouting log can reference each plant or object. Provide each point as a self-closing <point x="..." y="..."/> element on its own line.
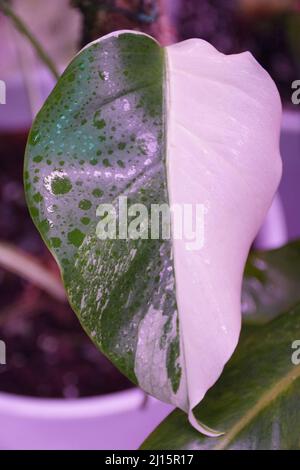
<point x="23" y="29"/>
<point x="26" y="266"/>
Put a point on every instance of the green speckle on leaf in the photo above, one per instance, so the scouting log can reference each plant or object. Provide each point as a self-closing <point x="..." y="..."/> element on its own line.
<point x="106" y="162"/>
<point x="76" y="237"/>
<point x="97" y="192"/>
<point x="38" y="158"/>
<point x="121" y="164"/>
<point x="55" y="242"/>
<point x="85" y="204"/>
<point x="98" y="123"/>
<point x="60" y="185"/>
<point x="85" y="220"/>
<point x="37" y="197"/>
<point x="121" y="145"/>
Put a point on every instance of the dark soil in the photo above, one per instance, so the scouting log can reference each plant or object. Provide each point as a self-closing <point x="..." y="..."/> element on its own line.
<point x="48" y="353"/>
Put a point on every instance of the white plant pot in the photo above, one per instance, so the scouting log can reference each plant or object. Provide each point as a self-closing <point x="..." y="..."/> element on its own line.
<point x="116" y="421"/>
<point x="283" y="222"/>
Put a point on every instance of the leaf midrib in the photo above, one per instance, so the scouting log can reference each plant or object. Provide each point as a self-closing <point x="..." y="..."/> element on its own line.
<point x="277" y="389"/>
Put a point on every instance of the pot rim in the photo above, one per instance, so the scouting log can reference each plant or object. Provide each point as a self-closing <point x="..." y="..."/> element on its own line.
<point x="75" y="408"/>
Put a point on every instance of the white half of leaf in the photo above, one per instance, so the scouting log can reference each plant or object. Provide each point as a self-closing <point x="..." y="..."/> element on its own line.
<point x="223" y="117"/>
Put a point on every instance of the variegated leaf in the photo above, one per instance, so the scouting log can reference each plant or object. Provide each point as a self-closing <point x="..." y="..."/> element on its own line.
<point x="176" y="126"/>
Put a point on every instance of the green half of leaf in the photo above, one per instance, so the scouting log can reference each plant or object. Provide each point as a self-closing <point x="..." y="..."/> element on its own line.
<point x="99" y="136"/>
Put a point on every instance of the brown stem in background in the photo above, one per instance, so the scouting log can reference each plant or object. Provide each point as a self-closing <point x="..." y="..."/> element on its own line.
<point x="266" y="8"/>
<point x="23" y="29"/>
<point x="29" y="268"/>
<point x="100" y="17"/>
